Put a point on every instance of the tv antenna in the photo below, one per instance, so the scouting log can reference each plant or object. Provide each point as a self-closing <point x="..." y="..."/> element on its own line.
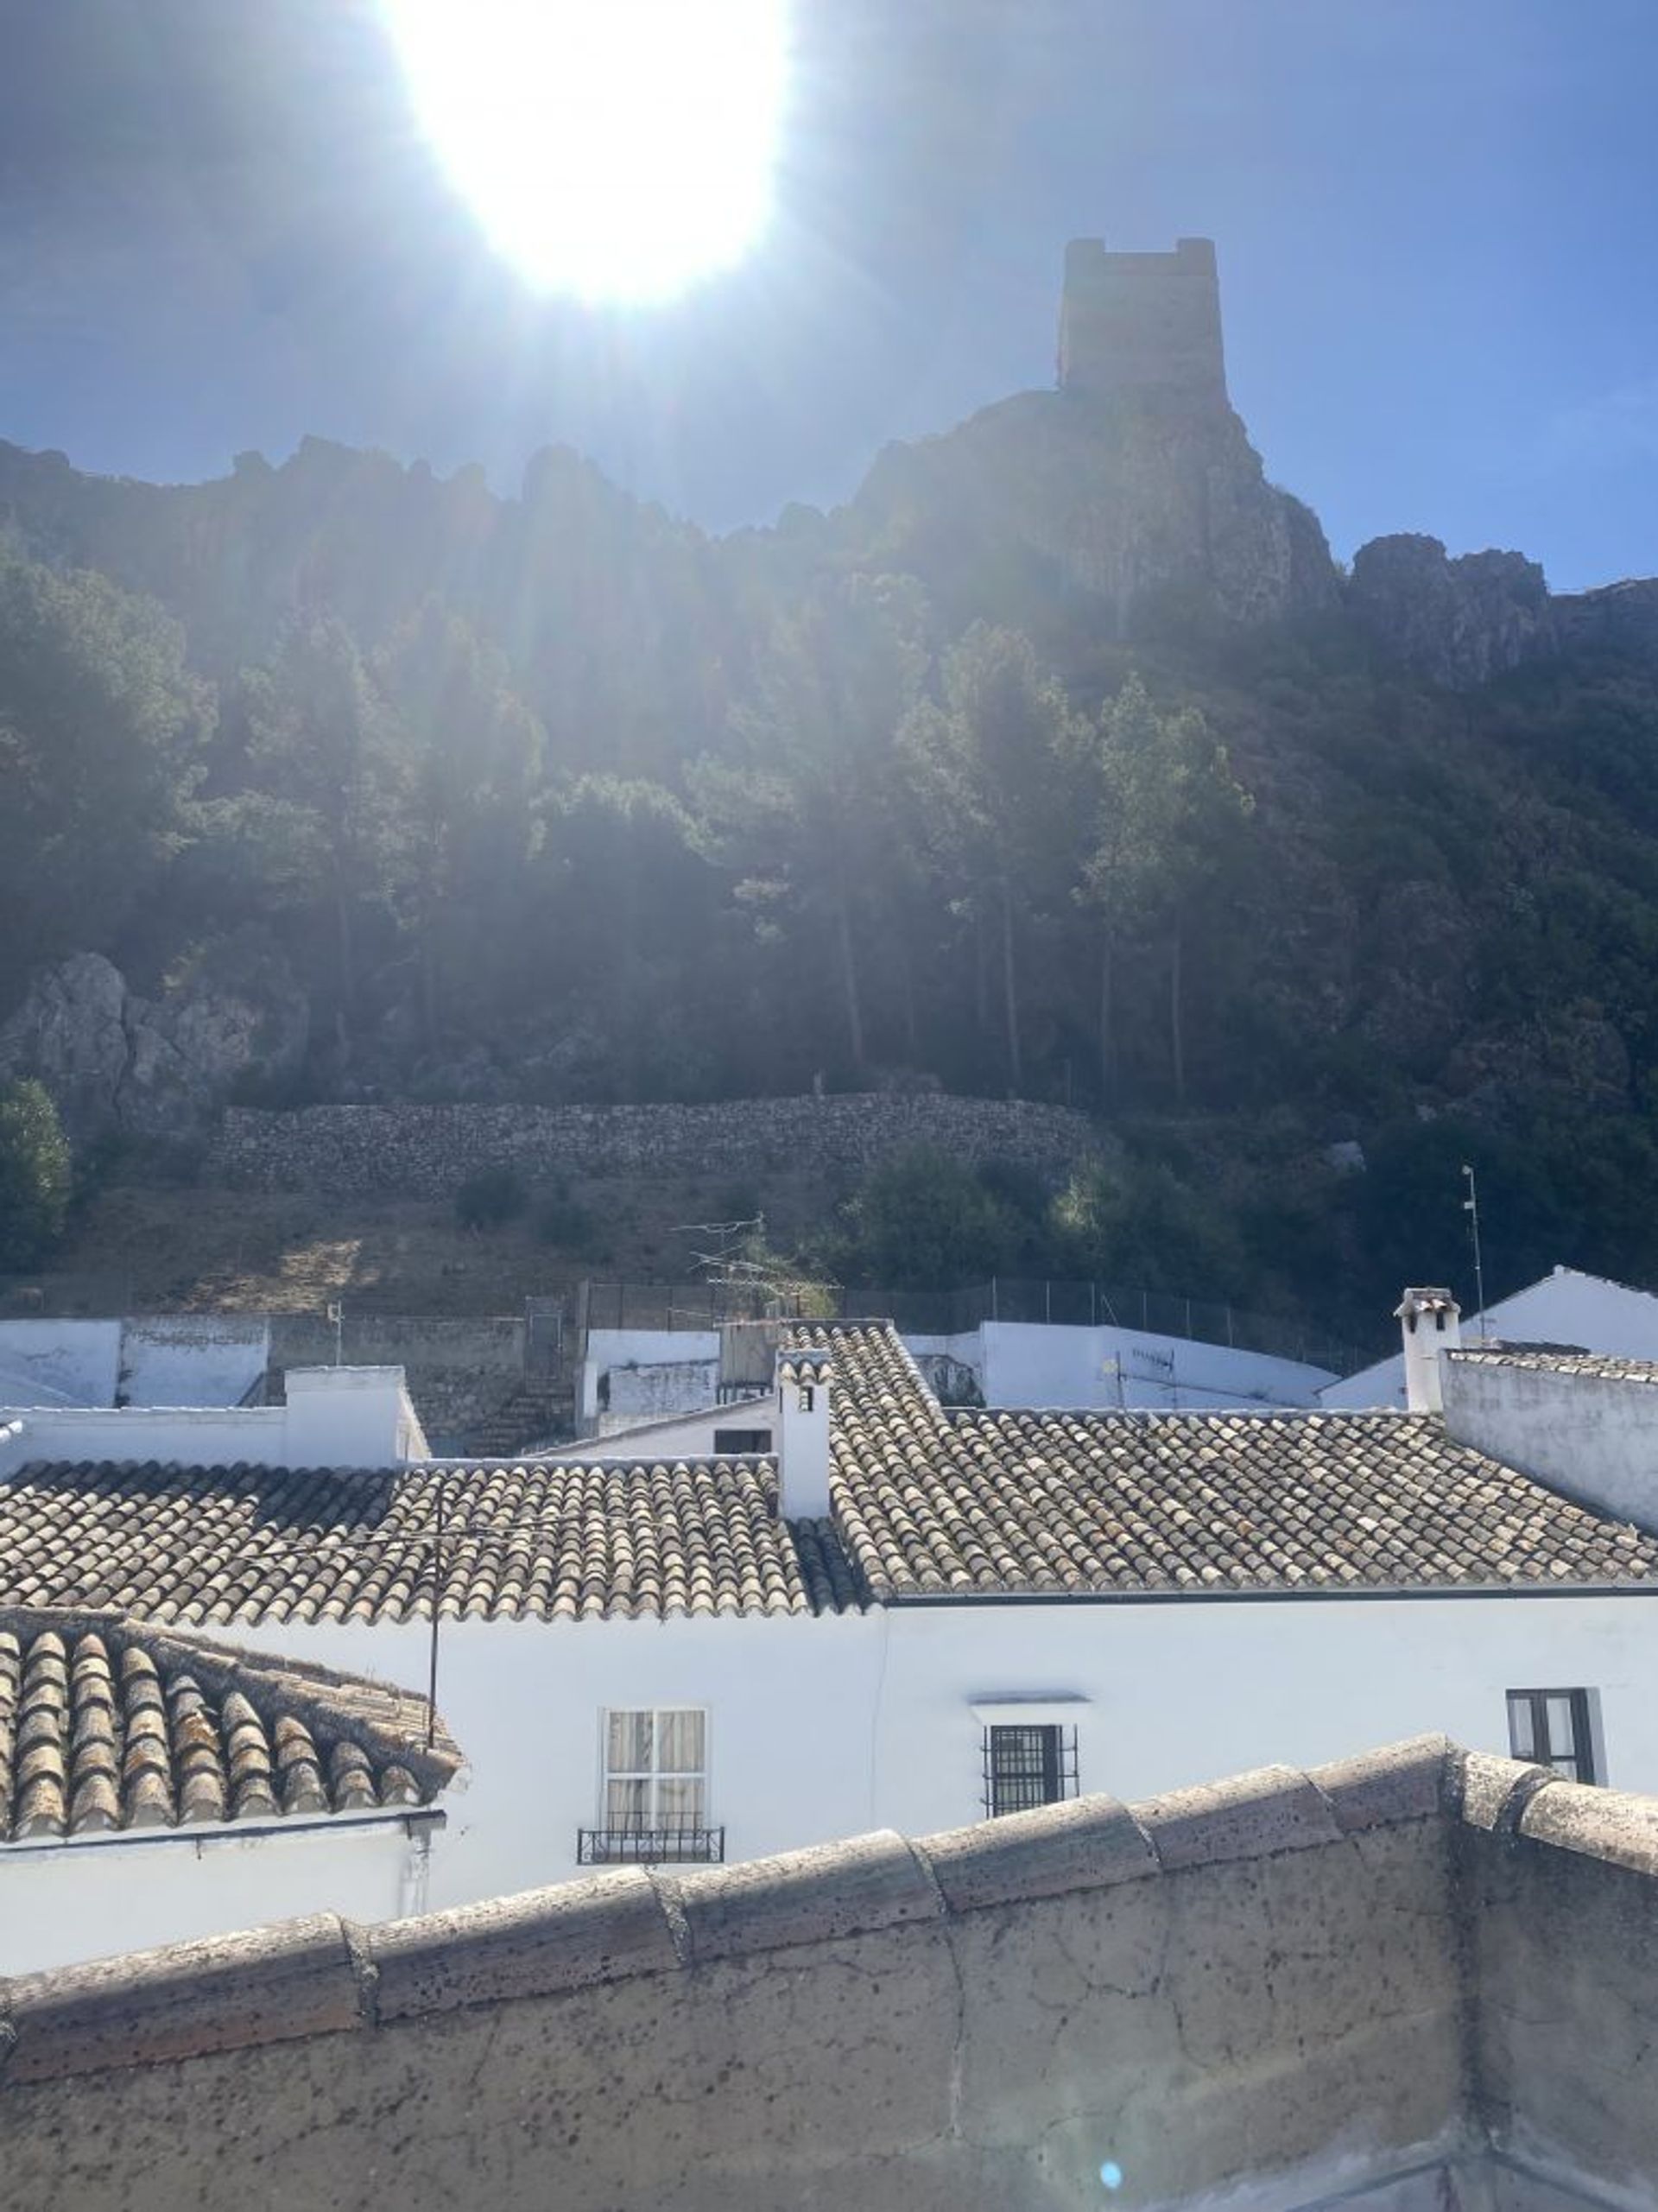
<point x="1470" y="1207"/>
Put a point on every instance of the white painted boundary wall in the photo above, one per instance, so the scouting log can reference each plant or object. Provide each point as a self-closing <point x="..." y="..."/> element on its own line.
<point x="193" y="1358"/>
<point x="60" y="1362"/>
<point x="1097" y="1370"/>
<point x="1564" y="1308"/>
<point x="825" y="1728"/>
<point x="612" y="1349"/>
<point x="172" y="1359"/>
<point x="63" y="1902"/>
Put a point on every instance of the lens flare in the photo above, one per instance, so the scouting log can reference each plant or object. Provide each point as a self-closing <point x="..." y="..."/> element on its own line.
<point x="616" y="149"/>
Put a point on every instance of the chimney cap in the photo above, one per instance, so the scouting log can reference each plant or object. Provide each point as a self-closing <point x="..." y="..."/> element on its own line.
<point x="806" y="1366"/>
<point x="1425" y="1299"/>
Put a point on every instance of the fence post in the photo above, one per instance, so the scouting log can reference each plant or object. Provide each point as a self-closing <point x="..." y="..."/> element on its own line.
<point x="1047" y="1297"/>
<point x="1189" y="1316"/>
<point x="993" y="1297"/>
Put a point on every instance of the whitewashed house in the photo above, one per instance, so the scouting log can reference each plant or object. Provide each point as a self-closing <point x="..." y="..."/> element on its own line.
<point x="896" y="1615"/>
<point x="1564" y="1308"/>
<point x="632" y="1376"/>
<point x="156" y="1787"/>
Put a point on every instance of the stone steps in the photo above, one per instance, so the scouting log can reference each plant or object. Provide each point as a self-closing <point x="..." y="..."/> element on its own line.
<point x="530" y="1416"/>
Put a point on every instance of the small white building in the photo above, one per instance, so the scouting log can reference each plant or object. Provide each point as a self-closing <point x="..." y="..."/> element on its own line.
<point x="330" y="1417"/>
<point x="156" y="1787"/>
<point x="1567" y="1308"/>
<point x="895" y="1614"/>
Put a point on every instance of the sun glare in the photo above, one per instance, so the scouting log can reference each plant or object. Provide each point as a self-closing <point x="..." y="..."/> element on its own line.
<point x="618" y="150"/>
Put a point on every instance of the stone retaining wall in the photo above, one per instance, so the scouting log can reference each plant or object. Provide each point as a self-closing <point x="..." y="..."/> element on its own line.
<point x="427" y="1151"/>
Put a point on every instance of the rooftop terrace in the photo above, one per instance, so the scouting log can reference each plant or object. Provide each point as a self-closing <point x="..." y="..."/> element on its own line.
<point x="1417" y="1979"/>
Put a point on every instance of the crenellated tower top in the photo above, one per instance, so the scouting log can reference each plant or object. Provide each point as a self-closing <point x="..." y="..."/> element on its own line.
<point x="1142" y="325"/>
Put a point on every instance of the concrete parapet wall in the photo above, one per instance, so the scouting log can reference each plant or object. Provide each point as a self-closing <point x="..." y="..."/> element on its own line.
<point x="427" y="1151"/>
<point x="1419" y="1981"/>
<point x="1217" y="1986"/>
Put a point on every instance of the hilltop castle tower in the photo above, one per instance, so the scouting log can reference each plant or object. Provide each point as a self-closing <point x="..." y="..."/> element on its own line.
<point x="1142" y="325"/>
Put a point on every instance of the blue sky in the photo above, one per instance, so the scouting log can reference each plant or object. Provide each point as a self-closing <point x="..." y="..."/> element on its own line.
<point x="218" y="231"/>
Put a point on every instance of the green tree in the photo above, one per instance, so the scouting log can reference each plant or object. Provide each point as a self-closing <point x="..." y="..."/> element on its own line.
<point x="925" y="1222"/>
<point x="471" y="758"/>
<point x="103" y="739"/>
<point x="34" y="1173"/>
<point x="1165" y="806"/>
<point x="328" y="810"/>
<point x="805" y="811"/>
<point x="988" y="761"/>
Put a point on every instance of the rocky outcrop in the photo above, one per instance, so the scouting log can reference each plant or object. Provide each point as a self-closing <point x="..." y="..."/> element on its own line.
<point x="117" y="1062"/>
<point x="1103" y="500"/>
<point x="1459" y="622"/>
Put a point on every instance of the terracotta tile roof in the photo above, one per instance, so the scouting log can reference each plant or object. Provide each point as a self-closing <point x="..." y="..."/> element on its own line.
<point x="927" y="1504"/>
<point x="943" y="1504"/>
<point x="211" y="1545"/>
<point x="1558" y="1360"/>
<point x="108" y="1723"/>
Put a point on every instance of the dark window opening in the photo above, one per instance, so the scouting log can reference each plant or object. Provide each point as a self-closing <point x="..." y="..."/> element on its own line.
<point x="1026" y="1766"/>
<point x="1550" y="1727"/>
<point x="730" y="1440"/>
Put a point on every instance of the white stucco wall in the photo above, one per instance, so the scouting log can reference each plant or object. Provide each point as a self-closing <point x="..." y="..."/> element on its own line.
<point x="1038" y="1364"/>
<point x="60" y="1362"/>
<point x="1564" y="1308"/>
<point x="1593" y="1437"/>
<point x="61" y="1903"/>
<point x="826" y="1728"/>
<point x="609" y="1348"/>
<point x="335" y="1417"/>
<point x="193" y="1358"/>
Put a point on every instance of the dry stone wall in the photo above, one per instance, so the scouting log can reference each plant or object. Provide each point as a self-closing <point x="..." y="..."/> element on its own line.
<point x="427" y="1151"/>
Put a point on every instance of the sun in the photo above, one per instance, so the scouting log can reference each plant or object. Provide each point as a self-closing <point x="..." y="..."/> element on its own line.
<point x="616" y="149"/>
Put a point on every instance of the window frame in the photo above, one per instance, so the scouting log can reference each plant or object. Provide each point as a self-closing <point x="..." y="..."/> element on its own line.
<point x="654" y="1821"/>
<point x="654" y="1839"/>
<point x="1055" y="1767"/>
<point x="1581" y="1760"/>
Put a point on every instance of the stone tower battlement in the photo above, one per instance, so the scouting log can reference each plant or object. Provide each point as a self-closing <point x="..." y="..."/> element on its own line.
<point x="1142" y="325"/>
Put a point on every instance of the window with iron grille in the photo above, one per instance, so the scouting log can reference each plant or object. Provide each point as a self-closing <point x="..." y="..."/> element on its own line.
<point x="1550" y="1727"/>
<point x="1028" y="1765"/>
<point x="654" y="1795"/>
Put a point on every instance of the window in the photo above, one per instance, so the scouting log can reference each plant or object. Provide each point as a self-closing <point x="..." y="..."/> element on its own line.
<point x="653" y="1802"/>
<point x="1551" y="1728"/>
<point x="728" y="1441"/>
<point x="1027" y="1764"/>
<point x="807" y="1398"/>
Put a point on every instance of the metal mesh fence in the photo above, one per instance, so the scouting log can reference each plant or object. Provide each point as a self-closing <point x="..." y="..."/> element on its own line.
<point x="951" y="1313"/>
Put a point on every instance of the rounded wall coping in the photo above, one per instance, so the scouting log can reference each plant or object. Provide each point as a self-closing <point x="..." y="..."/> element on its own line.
<point x="325" y="1975"/>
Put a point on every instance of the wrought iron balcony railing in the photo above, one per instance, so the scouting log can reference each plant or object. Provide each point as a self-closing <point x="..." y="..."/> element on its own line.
<point x="650" y="1846"/>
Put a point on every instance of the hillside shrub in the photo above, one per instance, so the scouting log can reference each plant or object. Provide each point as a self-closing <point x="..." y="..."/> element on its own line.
<point x="35" y="1175"/>
<point x="564" y="1222"/>
<point x="491" y="1198"/>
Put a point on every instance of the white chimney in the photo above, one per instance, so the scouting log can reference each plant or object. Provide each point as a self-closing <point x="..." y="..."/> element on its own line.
<point x="1432" y="1323"/>
<point x="803" y="1382"/>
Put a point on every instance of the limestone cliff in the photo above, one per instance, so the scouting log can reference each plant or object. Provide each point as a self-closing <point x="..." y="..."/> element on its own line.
<point x="1460" y="622"/>
<point x="1106" y="501"/>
